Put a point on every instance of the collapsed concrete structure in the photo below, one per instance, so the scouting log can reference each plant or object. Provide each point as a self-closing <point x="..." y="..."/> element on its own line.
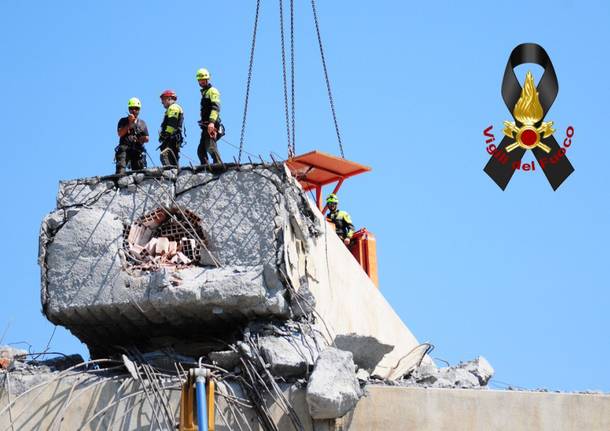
<point x="237" y="271"/>
<point x="179" y="259"/>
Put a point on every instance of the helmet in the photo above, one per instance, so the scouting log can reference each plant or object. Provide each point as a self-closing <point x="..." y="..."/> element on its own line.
<point x="134" y="102"/>
<point x="332" y="199"/>
<point x="202" y="74"/>
<point x="169" y="93"/>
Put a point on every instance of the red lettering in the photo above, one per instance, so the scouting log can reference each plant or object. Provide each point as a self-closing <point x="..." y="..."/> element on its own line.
<point x="491" y="149"/>
<point x="570" y="131"/>
<point x="486" y="132"/>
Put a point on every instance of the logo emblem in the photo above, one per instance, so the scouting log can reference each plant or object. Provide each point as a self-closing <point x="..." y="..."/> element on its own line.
<point x="529" y="105"/>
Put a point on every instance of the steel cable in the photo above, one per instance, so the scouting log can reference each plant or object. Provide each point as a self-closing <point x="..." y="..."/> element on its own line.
<point x="330" y="94"/>
<point x="248" y="83"/>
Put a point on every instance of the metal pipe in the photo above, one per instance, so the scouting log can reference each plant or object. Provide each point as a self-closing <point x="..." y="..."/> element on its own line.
<point x="201" y="375"/>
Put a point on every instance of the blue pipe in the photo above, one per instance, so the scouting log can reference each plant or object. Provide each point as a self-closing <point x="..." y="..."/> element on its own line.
<point x="202" y="413"/>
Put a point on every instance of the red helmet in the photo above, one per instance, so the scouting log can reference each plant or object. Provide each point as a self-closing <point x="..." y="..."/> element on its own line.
<point x="169" y="93"/>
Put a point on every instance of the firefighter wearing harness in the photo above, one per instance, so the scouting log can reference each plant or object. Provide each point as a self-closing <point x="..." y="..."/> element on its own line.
<point x="341" y="219"/>
<point x="133" y="134"/>
<point x="170" y="135"/>
<point x="211" y="127"/>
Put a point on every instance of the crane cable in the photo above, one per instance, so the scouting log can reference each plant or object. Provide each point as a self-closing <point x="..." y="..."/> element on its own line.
<point x="292" y="74"/>
<point x="284" y="80"/>
<point x="249" y="81"/>
<point x="290" y="123"/>
<point x="330" y="94"/>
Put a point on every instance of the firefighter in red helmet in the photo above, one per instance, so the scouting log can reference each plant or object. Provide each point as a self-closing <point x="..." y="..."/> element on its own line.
<point x="170" y="136"/>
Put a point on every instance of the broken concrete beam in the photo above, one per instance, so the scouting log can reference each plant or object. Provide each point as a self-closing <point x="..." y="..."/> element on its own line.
<point x="91" y="285"/>
<point x="333" y="388"/>
<point x="259" y="249"/>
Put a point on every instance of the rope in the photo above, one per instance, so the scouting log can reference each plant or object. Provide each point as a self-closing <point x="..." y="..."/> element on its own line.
<point x="330" y="94"/>
<point x="249" y="81"/>
<point x="288" y="135"/>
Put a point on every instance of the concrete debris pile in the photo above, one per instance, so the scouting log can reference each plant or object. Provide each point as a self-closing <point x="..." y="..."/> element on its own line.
<point x="27" y="371"/>
<point x="466" y="375"/>
<point x="234" y="266"/>
<point x="292" y="352"/>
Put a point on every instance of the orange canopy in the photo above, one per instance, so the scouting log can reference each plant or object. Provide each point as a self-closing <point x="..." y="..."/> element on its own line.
<point x="317" y="169"/>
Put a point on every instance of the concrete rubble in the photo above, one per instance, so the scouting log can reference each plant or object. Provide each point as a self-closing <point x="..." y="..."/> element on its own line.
<point x="333" y="389"/>
<point x="466" y="375"/>
<point x="233" y="268"/>
<point x="178" y="258"/>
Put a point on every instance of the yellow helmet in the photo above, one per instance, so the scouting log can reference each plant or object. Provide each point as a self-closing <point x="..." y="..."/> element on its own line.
<point x="332" y="199"/>
<point x="134" y="102"/>
<point x="202" y="74"/>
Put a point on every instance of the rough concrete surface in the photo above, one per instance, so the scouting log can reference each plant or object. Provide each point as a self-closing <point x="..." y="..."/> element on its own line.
<point x="367" y="350"/>
<point x="87" y="283"/>
<point x="470" y="375"/>
<point x="333" y="389"/>
<point x="480" y="368"/>
<point x="268" y="254"/>
<point x="288" y="356"/>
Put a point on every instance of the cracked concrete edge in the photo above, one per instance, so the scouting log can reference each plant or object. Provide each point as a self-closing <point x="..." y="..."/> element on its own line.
<point x="94" y="188"/>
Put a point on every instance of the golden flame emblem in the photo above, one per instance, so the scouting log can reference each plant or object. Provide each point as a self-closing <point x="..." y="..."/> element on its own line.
<point x="528" y="111"/>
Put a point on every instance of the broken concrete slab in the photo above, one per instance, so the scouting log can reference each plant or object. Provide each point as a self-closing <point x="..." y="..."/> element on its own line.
<point x="333" y="388"/>
<point x="367" y="350"/>
<point x="265" y="253"/>
<point x="288" y="356"/>
<point x="92" y="286"/>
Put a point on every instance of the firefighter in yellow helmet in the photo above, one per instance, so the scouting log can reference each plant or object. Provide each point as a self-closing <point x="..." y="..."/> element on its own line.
<point x="211" y="126"/>
<point x="341" y="219"/>
<point x="133" y="134"/>
<point x="170" y="136"/>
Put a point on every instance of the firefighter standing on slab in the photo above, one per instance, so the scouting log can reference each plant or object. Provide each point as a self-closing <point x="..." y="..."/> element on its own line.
<point x="170" y="136"/>
<point x="133" y="134"/>
<point x="341" y="219"/>
<point x="211" y="127"/>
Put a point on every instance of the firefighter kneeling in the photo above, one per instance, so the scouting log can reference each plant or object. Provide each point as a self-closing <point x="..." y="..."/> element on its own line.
<point x="341" y="219"/>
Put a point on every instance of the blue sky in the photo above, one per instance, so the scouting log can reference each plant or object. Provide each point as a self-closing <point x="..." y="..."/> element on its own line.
<point x="519" y="276"/>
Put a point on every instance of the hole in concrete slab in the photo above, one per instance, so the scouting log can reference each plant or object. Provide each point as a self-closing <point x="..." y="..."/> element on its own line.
<point x="165" y="237"/>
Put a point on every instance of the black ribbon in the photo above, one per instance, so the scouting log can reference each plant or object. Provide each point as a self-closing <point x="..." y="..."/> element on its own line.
<point x="548" y="87"/>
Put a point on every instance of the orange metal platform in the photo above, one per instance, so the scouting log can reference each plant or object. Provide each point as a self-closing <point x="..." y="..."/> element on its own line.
<point x="316" y="169"/>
